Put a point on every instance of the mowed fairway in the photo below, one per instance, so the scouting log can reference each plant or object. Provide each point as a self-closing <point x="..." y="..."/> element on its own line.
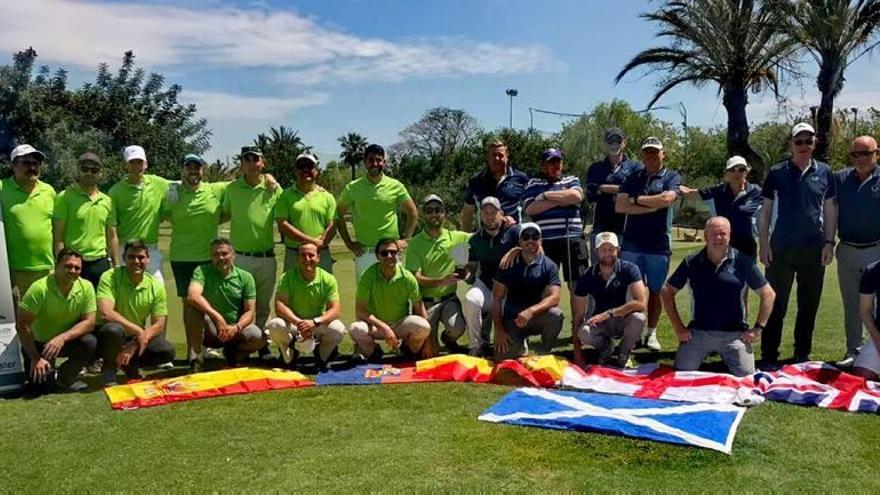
<point x="400" y="438"/>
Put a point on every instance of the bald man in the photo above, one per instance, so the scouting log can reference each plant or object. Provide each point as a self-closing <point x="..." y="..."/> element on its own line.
<point x="858" y="208"/>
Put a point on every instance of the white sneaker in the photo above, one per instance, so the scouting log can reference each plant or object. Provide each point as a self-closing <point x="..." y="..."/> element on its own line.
<point x="847" y="362"/>
<point x="165" y="366"/>
<point x="210" y="353"/>
<point x="652" y="343"/>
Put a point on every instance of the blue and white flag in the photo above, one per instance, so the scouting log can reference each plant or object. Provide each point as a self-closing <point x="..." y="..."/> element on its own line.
<point x="711" y="426"/>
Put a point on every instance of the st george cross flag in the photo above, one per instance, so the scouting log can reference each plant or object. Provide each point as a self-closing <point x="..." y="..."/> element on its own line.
<point x="710" y="426"/>
<point x="821" y="385"/>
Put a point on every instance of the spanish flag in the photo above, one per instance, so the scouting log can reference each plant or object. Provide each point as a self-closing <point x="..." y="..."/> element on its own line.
<point x="202" y="385"/>
<point x="535" y="371"/>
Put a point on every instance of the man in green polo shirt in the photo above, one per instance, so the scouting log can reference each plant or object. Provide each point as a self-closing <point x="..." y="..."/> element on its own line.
<point x="81" y="221"/>
<point x="127" y="297"/>
<point x="137" y="201"/>
<point x="27" y="205"/>
<point x="389" y="307"/>
<point x="55" y="319"/>
<point x="307" y="305"/>
<point x="373" y="201"/>
<point x="431" y="257"/>
<point x="306" y="213"/>
<point x="250" y="202"/>
<point x="225" y="296"/>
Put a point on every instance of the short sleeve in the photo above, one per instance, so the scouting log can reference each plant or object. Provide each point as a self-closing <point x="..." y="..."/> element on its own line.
<point x="680" y="277"/>
<point x="415" y="294"/>
<point x="529" y="194"/>
<point x="831" y="193"/>
<point x="768" y="190"/>
<point x="400" y="193"/>
<point x="364" y="288"/>
<point x="90" y="304"/>
<point x="198" y="276"/>
<point x="105" y="286"/>
<point x="113" y="219"/>
<point x="460" y="237"/>
<point x="331" y="289"/>
<point x="250" y="287"/>
<point x="673" y="182"/>
<point x="33" y="298"/>
<point x="582" y="288"/>
<point x="503" y="276"/>
<point x="225" y="202"/>
<point x="868" y="285"/>
<point x="160" y="301"/>
<point x="630" y="185"/>
<point x="754" y="278"/>
<point x="413" y="258"/>
<point x="331" y="208"/>
<point x="60" y="210"/>
<point x="281" y="289"/>
<point x="633" y="274"/>
<point x="280" y="210"/>
<point x="345" y="197"/>
<point x="553" y="274"/>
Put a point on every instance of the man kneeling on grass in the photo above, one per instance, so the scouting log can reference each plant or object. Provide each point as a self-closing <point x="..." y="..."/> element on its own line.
<point x="55" y="319"/>
<point x="307" y="305"/>
<point x="867" y="363"/>
<point x="389" y="307"/>
<point x="226" y="298"/>
<point x="718" y="276"/>
<point x="126" y="297"/>
<point x="620" y="300"/>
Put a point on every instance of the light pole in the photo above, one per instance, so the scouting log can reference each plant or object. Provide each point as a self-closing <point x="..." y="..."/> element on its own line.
<point x="511" y="92"/>
<point x="855" y="112"/>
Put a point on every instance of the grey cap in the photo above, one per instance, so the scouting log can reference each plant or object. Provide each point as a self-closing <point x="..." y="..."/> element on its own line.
<point x="432" y="197"/>
<point x="614" y="134"/>
<point x="490" y="200"/>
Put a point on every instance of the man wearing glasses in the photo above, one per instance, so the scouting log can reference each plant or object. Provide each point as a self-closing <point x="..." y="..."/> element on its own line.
<point x="306" y="213"/>
<point x="81" y="221"/>
<point x="735" y="199"/>
<point x="389" y="307"/>
<point x="858" y="206"/>
<point x="802" y="242"/>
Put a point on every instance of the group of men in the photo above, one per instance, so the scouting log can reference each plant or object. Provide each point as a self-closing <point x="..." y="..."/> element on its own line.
<point x="88" y="285"/>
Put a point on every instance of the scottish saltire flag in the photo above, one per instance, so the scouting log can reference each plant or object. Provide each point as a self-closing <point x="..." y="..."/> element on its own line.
<point x="821" y="385"/>
<point x="710" y="426"/>
<point x="652" y="381"/>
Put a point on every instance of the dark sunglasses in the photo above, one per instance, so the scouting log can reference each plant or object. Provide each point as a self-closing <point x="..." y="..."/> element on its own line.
<point x="739" y="169"/>
<point x="429" y="211"/>
<point x="305" y="166"/>
<point x="803" y="142"/>
<point x="388" y="252"/>
<point x="29" y="162"/>
<point x="863" y="153"/>
<point x="530" y="237"/>
<point x="90" y="169"/>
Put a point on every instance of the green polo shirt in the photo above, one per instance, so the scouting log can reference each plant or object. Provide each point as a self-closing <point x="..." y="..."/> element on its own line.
<point x="228" y="294"/>
<point x="252" y="215"/>
<point x="195" y="217"/>
<point x="85" y="221"/>
<point x="311" y="213"/>
<point x="136" y="208"/>
<point x="308" y="299"/>
<point x="56" y="313"/>
<point x="374" y="208"/>
<point x="388" y="300"/>
<point x="27" y="223"/>
<point x="134" y="302"/>
<point x="433" y="257"/>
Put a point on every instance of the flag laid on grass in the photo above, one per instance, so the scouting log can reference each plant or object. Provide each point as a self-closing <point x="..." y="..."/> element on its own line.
<point x="202" y="385"/>
<point x="821" y="385"/>
<point x="374" y="374"/>
<point x="711" y="426"/>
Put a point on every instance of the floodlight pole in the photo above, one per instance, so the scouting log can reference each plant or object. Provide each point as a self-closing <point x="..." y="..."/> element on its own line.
<point x="511" y="92"/>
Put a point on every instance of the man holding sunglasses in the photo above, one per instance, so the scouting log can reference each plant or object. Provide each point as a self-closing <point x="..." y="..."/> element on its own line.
<point x="81" y="221"/>
<point x="306" y="213"/>
<point x="735" y="199"/>
<point x="802" y="243"/>
<point x="858" y="206"/>
<point x="389" y="307"/>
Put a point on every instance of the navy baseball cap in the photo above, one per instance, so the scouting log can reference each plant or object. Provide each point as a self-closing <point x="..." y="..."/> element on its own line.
<point x="614" y="135"/>
<point x="552" y="154"/>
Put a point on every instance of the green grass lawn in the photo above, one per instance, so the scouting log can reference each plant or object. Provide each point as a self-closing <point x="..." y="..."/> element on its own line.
<point x="417" y="437"/>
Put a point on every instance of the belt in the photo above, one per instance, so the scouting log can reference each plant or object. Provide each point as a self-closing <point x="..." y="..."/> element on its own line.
<point x="263" y="254"/>
<point x="861" y="245"/>
<point x="433" y="300"/>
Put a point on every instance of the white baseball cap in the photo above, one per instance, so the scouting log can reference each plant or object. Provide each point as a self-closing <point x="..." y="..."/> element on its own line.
<point x="607" y="238"/>
<point x="490" y="200"/>
<point x="736" y="160"/>
<point x="653" y="143"/>
<point x="802" y="127"/>
<point x="307" y="156"/>
<point x="528" y="226"/>
<point x="134" y="153"/>
<point x="25" y="149"/>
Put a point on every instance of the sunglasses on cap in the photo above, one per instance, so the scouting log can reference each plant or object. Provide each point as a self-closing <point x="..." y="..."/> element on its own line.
<point x="804" y="142"/>
<point x="530" y="236"/>
<point x="863" y="153"/>
<point x="388" y="252"/>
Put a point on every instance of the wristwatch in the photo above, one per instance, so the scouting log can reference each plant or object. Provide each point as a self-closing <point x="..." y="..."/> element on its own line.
<point x="758" y="326"/>
<point x="831" y="241"/>
<point x="317" y="321"/>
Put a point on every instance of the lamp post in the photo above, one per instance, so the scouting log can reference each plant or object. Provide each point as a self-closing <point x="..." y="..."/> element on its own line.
<point x="511" y="92"/>
<point x="855" y="112"/>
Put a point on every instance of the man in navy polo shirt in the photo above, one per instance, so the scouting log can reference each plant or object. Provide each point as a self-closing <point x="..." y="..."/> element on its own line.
<point x="717" y="276"/>
<point x="735" y="199"/>
<point x="867" y="364"/>
<point x="802" y="191"/>
<point x="531" y="306"/>
<point x="553" y="202"/>
<point x="646" y="197"/>
<point x="858" y="207"/>
<point x="619" y="301"/>
<point x="603" y="183"/>
<point x="499" y="180"/>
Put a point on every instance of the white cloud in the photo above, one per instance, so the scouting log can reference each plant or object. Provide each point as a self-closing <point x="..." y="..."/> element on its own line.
<point x="225" y="106"/>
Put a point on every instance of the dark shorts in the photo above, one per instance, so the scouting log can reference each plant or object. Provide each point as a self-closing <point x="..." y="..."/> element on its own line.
<point x="745" y="245"/>
<point x="570" y="264"/>
<point x="183" y="272"/>
<point x="92" y="270"/>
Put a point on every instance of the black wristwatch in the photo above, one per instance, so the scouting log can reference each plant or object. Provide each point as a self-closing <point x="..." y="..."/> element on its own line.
<point x="831" y="241"/>
<point x="758" y="326"/>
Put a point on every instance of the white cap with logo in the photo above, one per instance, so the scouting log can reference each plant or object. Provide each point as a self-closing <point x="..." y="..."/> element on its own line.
<point x="802" y="127"/>
<point x="134" y="152"/>
<point x="607" y="238"/>
<point x="25" y="149"/>
<point x="736" y="160"/>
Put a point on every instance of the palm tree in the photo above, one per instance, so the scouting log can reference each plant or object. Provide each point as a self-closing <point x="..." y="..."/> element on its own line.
<point x="353" y="146"/>
<point x="280" y="149"/>
<point x="835" y="33"/>
<point x="733" y="43"/>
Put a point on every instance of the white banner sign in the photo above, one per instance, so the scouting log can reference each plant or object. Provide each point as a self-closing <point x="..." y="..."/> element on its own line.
<point x="11" y="373"/>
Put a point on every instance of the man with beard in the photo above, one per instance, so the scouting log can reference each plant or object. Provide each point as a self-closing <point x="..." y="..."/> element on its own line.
<point x="430" y="258"/>
<point x="486" y="248"/>
<point x="225" y="297"/>
<point x="306" y="213"/>
<point x="525" y="299"/>
<point x="81" y="217"/>
<point x="373" y="201"/>
<point x="619" y="302"/>
<point x="718" y="276"/>
<point x="27" y="204"/>
<point x="498" y="180"/>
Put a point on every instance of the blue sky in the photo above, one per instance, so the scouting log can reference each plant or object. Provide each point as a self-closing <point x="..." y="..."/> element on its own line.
<point x="331" y="67"/>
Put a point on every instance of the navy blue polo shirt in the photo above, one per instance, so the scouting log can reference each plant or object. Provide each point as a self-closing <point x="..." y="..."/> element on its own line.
<point x="605" y="219"/>
<point x="649" y="233"/>
<point x="716" y="291"/>
<point x="799" y="201"/>
<point x="611" y="293"/>
<point x="526" y="283"/>
<point x="553" y="221"/>
<point x="487" y="251"/>
<point x="858" y="215"/>
<point x="740" y="209"/>
<point x="870" y="285"/>
<point x="508" y="190"/>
